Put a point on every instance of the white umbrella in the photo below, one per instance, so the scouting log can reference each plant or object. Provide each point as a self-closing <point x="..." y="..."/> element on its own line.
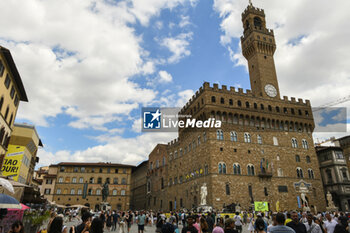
<point x="7" y="185"/>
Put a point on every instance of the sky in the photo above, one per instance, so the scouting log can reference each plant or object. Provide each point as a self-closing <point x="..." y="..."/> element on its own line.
<point x="88" y="66"/>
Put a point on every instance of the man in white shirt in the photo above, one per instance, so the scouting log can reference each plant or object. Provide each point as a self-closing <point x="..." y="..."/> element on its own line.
<point x="329" y="224"/>
<point x="238" y="222"/>
<point x="312" y="227"/>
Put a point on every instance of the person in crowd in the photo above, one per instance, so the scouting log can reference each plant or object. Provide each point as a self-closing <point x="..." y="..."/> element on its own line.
<point x="251" y="224"/>
<point x="259" y="216"/>
<point x="17" y="227"/>
<point x="319" y="223"/>
<point x="218" y="229"/>
<point x="57" y="226"/>
<point x="210" y="222"/>
<point x="96" y="225"/>
<point x="311" y="226"/>
<point x="128" y="220"/>
<point x="204" y="228"/>
<point x="280" y="227"/>
<point x="288" y="218"/>
<point x="273" y="223"/>
<point x="141" y="218"/>
<point x="329" y="224"/>
<point x="84" y="226"/>
<point x="168" y="227"/>
<point x="160" y="222"/>
<point x="230" y="226"/>
<point x="295" y="224"/>
<point x="238" y="222"/>
<point x="190" y="228"/>
<point x="108" y="220"/>
<point x="260" y="225"/>
<point x="342" y="225"/>
<point x="196" y="224"/>
<point x="115" y="218"/>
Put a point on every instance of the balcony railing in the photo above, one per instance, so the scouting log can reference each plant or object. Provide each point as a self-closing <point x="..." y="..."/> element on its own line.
<point x="264" y="174"/>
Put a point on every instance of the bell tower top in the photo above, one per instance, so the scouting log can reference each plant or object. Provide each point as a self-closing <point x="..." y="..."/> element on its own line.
<point x="258" y="47"/>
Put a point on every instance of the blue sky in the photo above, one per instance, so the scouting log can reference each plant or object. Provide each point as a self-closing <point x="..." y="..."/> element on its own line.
<point x="90" y="67"/>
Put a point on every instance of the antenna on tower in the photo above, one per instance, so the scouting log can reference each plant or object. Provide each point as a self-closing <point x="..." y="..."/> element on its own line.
<point x="250" y="2"/>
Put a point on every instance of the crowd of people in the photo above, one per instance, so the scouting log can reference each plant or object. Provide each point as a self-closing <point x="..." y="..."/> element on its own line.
<point x="189" y="222"/>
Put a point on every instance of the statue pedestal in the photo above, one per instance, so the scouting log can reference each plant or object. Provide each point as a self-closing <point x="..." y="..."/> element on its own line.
<point x="331" y="208"/>
<point x="105" y="206"/>
<point x="306" y="208"/>
<point x="204" y="209"/>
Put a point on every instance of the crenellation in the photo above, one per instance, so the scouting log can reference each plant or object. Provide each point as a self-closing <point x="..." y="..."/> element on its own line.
<point x="240" y="90"/>
<point x="216" y="86"/>
<point x="292" y="99"/>
<point x="224" y="87"/>
<point x="232" y="90"/>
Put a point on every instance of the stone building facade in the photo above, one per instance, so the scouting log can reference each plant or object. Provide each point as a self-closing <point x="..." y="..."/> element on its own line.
<point x="139" y="186"/>
<point x="11" y="93"/>
<point x="262" y="152"/>
<point x="335" y="175"/>
<point x="157" y="176"/>
<point x="81" y="183"/>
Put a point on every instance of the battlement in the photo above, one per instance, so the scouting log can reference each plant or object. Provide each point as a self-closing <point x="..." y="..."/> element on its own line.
<point x="252" y="10"/>
<point x="233" y="91"/>
<point x="174" y="142"/>
<point x="265" y="31"/>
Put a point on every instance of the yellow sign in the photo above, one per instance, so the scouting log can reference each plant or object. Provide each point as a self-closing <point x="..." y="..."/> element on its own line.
<point x="12" y="161"/>
<point x="261" y="206"/>
<point x="278" y="206"/>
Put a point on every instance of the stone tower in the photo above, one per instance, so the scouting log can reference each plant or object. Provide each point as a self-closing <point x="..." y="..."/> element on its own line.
<point x="258" y="47"/>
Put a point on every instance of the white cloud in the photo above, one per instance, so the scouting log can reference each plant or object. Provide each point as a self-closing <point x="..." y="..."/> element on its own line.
<point x="78" y="60"/>
<point x="115" y="149"/>
<point x="185" y="20"/>
<point x="165" y="77"/>
<point x="184" y="96"/>
<point x="178" y="46"/>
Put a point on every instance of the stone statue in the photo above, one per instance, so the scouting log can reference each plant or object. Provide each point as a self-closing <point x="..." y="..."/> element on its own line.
<point x="303" y="198"/>
<point x="204" y="193"/>
<point x="329" y="199"/>
<point x="105" y="192"/>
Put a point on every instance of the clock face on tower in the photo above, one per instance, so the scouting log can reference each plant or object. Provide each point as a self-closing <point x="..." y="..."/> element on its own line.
<point x="270" y="90"/>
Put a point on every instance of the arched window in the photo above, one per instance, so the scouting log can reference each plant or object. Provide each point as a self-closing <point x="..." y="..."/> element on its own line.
<point x="60" y="180"/>
<point x="222" y="100"/>
<point x="259" y="139"/>
<point x="122" y="192"/>
<point x="123" y="181"/>
<point x="114" y="192"/>
<point x="115" y="181"/>
<point x="99" y="180"/>
<point x="329" y="176"/>
<point x="308" y="160"/>
<point x="294" y="143"/>
<point x="247" y="105"/>
<point x="300" y="172"/>
<point x="74" y="180"/>
<point x="239" y="103"/>
<point x="213" y="99"/>
<point x="98" y="191"/>
<point x="81" y="180"/>
<point x="305" y="145"/>
<point x="163" y="163"/>
<point x="250" y="169"/>
<point x="261" y="106"/>
<point x="257" y="22"/>
<point x="72" y="191"/>
<point x="310" y="173"/>
<point x="236" y="169"/>
<point x="222" y="168"/>
<point x="247" y="137"/>
<point x="297" y="158"/>
<point x="219" y="135"/>
<point x="92" y="180"/>
<point x="233" y="136"/>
